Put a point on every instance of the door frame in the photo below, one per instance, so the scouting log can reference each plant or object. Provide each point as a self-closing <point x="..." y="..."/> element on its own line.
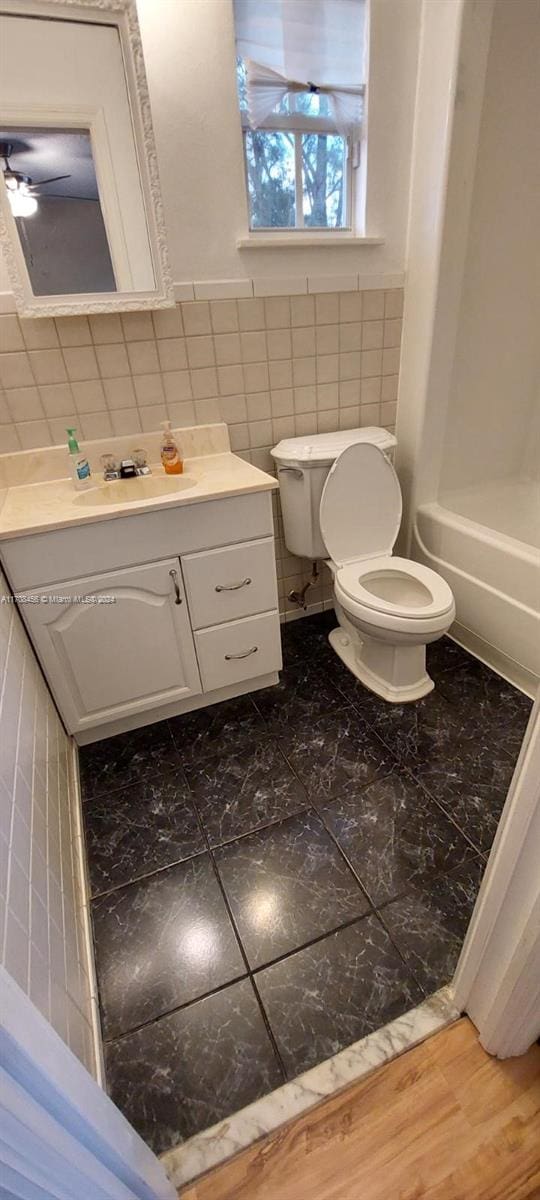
<point x="61" y="1134"/>
<point x="497" y="980"/>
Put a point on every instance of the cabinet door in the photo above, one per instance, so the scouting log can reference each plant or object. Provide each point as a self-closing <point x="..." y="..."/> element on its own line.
<point x="115" y="644"/>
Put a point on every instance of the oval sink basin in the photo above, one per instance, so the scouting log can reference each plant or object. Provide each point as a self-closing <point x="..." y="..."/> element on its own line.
<point x="132" y="491"/>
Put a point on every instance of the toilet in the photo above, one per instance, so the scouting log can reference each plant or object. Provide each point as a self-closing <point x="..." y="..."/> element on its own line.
<point x="341" y="501"/>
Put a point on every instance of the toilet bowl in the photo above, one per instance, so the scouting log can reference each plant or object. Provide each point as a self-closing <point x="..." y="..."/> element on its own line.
<point x="388" y="608"/>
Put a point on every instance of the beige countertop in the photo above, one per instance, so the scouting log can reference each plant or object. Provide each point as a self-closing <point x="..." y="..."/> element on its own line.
<point x="28" y="508"/>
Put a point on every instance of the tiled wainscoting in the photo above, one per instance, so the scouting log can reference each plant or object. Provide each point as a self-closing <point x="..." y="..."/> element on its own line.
<point x="42" y="935"/>
<point x="271" y="368"/>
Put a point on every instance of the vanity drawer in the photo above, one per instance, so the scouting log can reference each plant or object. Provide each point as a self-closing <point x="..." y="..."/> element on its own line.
<point x="240" y="650"/>
<point x="233" y="582"/>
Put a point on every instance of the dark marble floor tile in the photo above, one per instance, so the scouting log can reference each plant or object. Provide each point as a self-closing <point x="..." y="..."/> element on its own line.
<point x="217" y="730"/>
<point x="162" y="942"/>
<point x="444" y="655"/>
<point x="193" y="1068"/>
<point x="335" y="754"/>
<point x="139" y="829"/>
<point x="367" y="703"/>
<point x="334" y="992"/>
<point x="470" y="781"/>
<point x="429" y="924"/>
<point x="303" y="692"/>
<point x="118" y="761"/>
<point x="286" y="885"/>
<point x="393" y="832"/>
<point x="308" y="637"/>
<point x="243" y="792"/>
<point x="419" y="733"/>
<point x="496" y="711"/>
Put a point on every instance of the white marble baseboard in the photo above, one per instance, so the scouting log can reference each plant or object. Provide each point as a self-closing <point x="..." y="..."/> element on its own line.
<point x="213" y="1146"/>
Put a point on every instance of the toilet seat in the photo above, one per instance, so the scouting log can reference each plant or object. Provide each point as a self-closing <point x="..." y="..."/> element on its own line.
<point x="424" y="593"/>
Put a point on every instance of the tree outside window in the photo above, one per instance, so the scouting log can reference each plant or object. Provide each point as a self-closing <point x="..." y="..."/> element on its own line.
<point x="297" y="165"/>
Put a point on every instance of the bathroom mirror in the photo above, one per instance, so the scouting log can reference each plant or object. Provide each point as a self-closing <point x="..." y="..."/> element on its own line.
<point x="80" y="206"/>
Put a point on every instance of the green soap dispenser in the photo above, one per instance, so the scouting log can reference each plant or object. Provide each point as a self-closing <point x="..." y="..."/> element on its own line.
<point x="78" y="462"/>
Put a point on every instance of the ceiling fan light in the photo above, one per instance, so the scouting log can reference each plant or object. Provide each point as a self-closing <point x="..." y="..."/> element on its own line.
<point x="23" y="204"/>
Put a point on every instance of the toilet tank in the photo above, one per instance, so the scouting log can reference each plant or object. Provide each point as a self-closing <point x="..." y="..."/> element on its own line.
<point x="302" y="466"/>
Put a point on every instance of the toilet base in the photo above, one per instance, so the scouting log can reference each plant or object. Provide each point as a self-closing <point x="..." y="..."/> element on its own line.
<point x="395" y="673"/>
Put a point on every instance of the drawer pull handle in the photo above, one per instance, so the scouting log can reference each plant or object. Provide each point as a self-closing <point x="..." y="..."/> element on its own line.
<point x="245" y="654"/>
<point x="174" y="576"/>
<point x="233" y="587"/>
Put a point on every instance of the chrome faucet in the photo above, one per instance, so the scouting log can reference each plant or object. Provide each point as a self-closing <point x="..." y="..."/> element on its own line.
<point x="125" y="468"/>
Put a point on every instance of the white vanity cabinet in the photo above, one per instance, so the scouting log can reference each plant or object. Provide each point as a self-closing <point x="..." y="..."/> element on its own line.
<point x="179" y="610"/>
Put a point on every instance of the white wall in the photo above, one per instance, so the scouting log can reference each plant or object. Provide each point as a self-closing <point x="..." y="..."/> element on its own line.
<point x="494" y="387"/>
<point x="42" y="942"/>
<point x="190" y="61"/>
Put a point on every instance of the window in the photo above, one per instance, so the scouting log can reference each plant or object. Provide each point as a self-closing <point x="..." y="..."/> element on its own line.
<point x="301" y="138"/>
<point x="298" y="167"/>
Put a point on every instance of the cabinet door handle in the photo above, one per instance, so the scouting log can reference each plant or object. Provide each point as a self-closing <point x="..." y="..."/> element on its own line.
<point x="232" y="587"/>
<point x="245" y="654"/>
<point x="174" y="576"/>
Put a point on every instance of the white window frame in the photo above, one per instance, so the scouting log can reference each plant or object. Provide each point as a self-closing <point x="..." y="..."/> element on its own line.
<point x="298" y="124"/>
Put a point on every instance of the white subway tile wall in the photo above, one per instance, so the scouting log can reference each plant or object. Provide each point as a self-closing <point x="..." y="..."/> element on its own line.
<point x="42" y="937"/>
<point x="271" y="367"/>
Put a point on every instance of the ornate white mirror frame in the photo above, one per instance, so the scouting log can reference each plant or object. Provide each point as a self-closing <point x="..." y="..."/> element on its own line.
<point x="121" y="14"/>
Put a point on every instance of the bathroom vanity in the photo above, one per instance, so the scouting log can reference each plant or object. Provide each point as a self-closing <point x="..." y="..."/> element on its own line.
<point x="143" y="608"/>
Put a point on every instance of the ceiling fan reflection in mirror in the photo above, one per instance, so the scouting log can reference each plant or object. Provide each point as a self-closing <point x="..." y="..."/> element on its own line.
<point x="22" y="192"/>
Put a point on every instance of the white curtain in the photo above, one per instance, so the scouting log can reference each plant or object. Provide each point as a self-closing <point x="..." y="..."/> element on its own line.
<point x="298" y="45"/>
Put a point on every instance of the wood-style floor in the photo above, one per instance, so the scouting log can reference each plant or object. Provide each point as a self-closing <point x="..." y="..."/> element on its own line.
<point x="443" y="1122"/>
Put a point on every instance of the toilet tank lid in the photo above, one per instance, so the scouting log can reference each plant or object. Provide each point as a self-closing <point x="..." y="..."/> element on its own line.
<point x="322" y="449"/>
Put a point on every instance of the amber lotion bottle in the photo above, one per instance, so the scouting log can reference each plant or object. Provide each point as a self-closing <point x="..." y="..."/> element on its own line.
<point x="170" y="453"/>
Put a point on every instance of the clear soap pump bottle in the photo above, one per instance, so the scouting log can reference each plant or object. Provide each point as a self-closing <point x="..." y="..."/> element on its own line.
<point x="170" y="454"/>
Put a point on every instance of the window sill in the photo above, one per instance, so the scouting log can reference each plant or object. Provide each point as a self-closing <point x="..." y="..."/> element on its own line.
<point x="270" y="241"/>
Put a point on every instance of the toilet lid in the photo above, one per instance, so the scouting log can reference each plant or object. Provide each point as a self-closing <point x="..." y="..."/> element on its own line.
<point x="360" y="511"/>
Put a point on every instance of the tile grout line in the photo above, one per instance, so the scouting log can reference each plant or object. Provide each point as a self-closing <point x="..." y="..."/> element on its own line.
<point x="403" y="896"/>
<point x="320" y="937"/>
<point x="313" y="806"/>
<point x="146" y="774"/>
<point x="430" y="877"/>
<point x="414" y="771"/>
<point x="408" y="968"/>
<point x="250" y="974"/>
<point x="176" y="862"/>
<point x="448" y="815"/>
<point x="171" y="1012"/>
<point x="224" y="896"/>
<point x="269" y="737"/>
<point x="373" y="910"/>
<point x="310" y="806"/>
<point x="93" y="932"/>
